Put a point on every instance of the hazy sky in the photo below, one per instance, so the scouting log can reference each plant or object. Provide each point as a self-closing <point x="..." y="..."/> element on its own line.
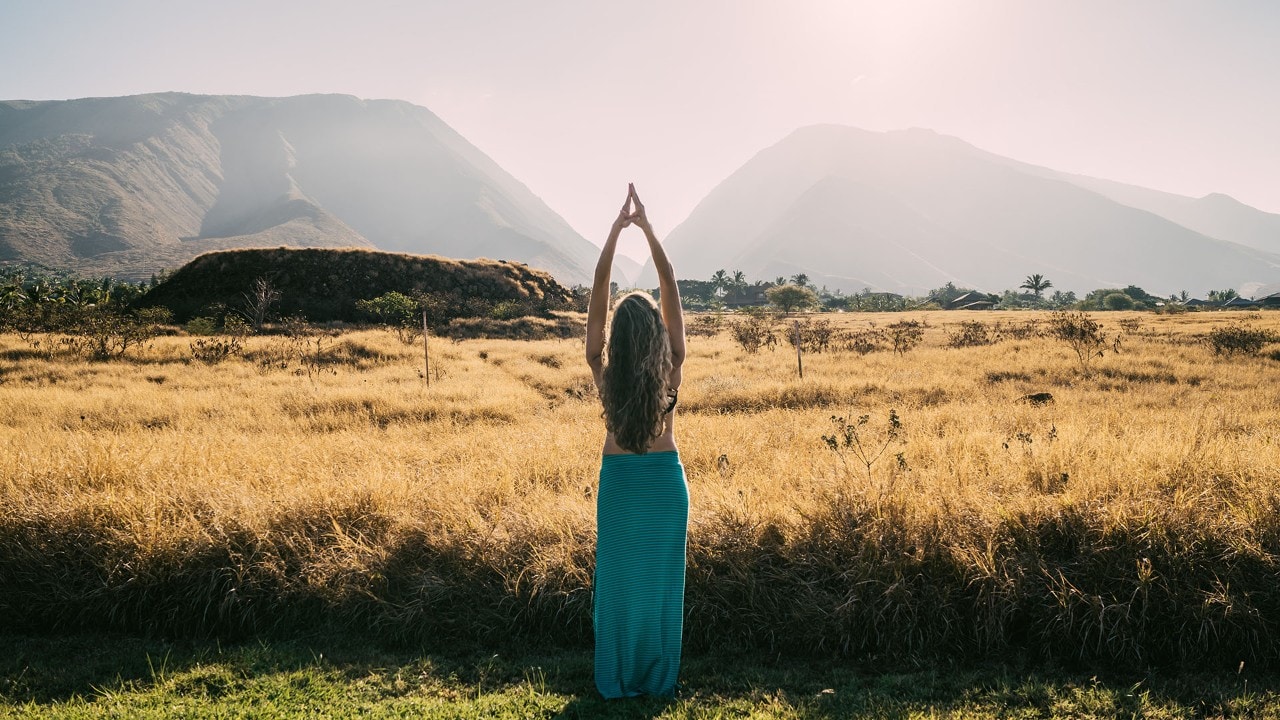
<point x="577" y="97"/>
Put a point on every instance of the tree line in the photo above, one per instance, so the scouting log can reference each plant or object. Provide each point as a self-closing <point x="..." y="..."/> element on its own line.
<point x="726" y="290"/>
<point x="92" y="317"/>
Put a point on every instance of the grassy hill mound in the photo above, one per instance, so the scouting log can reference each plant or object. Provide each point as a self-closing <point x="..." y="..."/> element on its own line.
<point x="323" y="284"/>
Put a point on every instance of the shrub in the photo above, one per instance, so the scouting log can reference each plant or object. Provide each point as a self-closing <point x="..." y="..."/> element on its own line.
<point x="1117" y="301"/>
<point x="1130" y="325"/>
<point x="1240" y="339"/>
<point x="754" y="331"/>
<point x="99" y="334"/>
<point x="1022" y="331"/>
<point x="847" y="442"/>
<point x="972" y="333"/>
<point x="216" y="349"/>
<point x="397" y="310"/>
<point x="202" y="326"/>
<point x="506" y="310"/>
<point x="213" y="350"/>
<point x="863" y="341"/>
<point x="906" y="335"/>
<point x="705" y="325"/>
<point x="1082" y="334"/>
<point x="814" y="335"/>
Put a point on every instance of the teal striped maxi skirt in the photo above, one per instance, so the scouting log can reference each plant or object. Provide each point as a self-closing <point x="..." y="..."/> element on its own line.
<point x="642" y="518"/>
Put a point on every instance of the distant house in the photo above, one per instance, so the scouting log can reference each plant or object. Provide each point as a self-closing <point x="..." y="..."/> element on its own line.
<point x="1270" y="301"/>
<point x="1197" y="303"/>
<point x="971" y="301"/>
<point x="881" y="296"/>
<point x="750" y="296"/>
<point x="1240" y="302"/>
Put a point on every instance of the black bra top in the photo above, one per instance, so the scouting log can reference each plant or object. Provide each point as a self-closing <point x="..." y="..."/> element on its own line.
<point x="671" y="405"/>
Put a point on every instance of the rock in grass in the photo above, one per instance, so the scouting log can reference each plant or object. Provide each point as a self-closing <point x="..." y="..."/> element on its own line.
<point x="1037" y="399"/>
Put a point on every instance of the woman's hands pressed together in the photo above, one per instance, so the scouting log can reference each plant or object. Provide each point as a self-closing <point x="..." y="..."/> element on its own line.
<point x="629" y="216"/>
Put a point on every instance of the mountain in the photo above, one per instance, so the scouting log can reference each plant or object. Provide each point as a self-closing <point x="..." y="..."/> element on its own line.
<point x="911" y="210"/>
<point x="126" y="186"/>
<point x="1216" y="215"/>
<point x="629" y="269"/>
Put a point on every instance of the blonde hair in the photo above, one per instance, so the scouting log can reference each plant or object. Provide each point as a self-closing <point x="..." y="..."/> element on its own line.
<point x="638" y="363"/>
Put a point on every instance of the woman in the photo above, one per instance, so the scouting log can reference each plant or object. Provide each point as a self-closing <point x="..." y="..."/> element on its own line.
<point x="642" y="506"/>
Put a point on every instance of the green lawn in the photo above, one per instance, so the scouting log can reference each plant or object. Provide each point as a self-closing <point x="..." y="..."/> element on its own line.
<point x="114" y="676"/>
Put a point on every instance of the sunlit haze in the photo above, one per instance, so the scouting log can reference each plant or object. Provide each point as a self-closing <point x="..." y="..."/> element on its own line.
<point x="576" y="98"/>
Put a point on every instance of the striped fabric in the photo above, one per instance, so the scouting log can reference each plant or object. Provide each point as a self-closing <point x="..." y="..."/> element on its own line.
<point x="642" y="514"/>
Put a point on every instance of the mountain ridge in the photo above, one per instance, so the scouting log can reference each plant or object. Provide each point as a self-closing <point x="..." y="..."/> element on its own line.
<point x="967" y="215"/>
<point x="127" y="185"/>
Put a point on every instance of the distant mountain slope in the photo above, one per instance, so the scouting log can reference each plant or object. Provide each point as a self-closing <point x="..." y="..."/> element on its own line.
<point x="911" y="210"/>
<point x="625" y="270"/>
<point x="130" y="185"/>
<point x="1216" y="215"/>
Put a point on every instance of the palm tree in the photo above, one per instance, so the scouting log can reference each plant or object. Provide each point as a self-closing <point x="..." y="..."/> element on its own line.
<point x="719" y="279"/>
<point x="1036" y="284"/>
<point x="739" y="279"/>
<point x="12" y="296"/>
<point x="800" y="279"/>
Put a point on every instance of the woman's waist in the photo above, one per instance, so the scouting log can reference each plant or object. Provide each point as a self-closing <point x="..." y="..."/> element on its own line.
<point x="653" y="471"/>
<point x="663" y="443"/>
<point x="651" y="456"/>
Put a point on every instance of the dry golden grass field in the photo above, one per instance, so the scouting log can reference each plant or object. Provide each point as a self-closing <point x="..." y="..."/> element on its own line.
<point x="1135" y="518"/>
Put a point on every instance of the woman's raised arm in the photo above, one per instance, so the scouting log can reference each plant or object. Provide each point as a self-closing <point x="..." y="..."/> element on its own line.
<point x="598" y="307"/>
<point x="672" y="312"/>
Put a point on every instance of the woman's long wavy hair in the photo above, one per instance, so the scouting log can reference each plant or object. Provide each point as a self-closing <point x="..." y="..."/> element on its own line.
<point x="637" y="366"/>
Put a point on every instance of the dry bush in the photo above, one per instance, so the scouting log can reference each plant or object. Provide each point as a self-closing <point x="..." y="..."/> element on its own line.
<point x="213" y="350"/>
<point x="972" y="333"/>
<point x="1023" y="330"/>
<point x="862" y="342"/>
<point x="754" y="331"/>
<point x="905" y="335"/>
<point x="705" y="325"/>
<point x="220" y="344"/>
<point x="812" y="335"/>
<point x="1240" y="339"/>
<point x="975" y="333"/>
<point x="1130" y="325"/>
<point x="1085" y="336"/>
<point x="102" y="334"/>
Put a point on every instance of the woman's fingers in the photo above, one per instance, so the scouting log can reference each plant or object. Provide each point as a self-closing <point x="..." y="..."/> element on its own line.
<point x="628" y="214"/>
<point x="639" y="205"/>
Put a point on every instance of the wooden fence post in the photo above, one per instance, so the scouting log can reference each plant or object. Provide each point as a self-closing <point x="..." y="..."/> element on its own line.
<point x="799" y="362"/>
